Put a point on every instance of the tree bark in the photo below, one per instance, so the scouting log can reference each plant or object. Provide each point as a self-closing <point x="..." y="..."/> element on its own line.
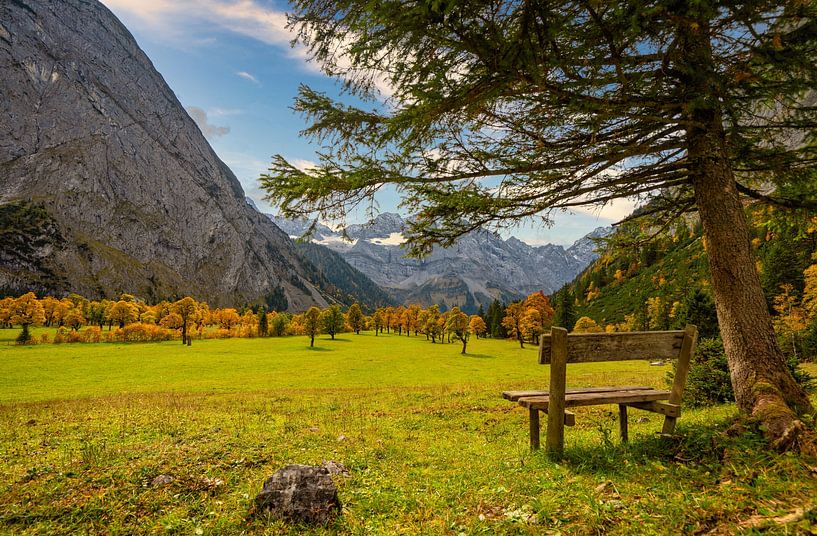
<point x="764" y="388"/>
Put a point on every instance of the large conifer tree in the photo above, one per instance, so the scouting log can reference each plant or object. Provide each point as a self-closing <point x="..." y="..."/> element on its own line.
<point x="502" y="109"/>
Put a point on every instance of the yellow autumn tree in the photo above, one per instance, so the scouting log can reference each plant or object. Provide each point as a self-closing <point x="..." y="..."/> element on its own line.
<point x="457" y="324"/>
<point x="123" y="313"/>
<point x="27" y="311"/>
<point x="477" y="326"/>
<point x="512" y="322"/>
<point x="171" y="321"/>
<point x="541" y="304"/>
<point x="312" y="324"/>
<point x="586" y="324"/>
<point x="74" y="318"/>
<point x="532" y="324"/>
<point x="354" y="317"/>
<point x="187" y="309"/>
<point x="229" y="318"/>
<point x="791" y="318"/>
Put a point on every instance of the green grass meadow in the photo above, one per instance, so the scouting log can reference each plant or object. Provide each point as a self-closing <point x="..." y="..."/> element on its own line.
<point x="431" y="446"/>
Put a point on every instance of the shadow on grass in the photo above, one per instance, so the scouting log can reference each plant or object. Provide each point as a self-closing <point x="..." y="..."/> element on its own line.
<point x="479" y="356"/>
<point x="318" y="349"/>
<point x="692" y="444"/>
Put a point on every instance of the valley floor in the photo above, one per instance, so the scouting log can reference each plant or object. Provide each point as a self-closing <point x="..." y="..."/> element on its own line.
<point x="430" y="445"/>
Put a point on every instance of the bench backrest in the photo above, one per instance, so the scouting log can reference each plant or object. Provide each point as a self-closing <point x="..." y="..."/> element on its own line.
<point x="620" y="346"/>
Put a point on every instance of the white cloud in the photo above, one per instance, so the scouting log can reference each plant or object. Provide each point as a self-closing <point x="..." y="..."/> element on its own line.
<point x="178" y="19"/>
<point x="303" y="165"/>
<point x="183" y="21"/>
<point x="208" y="129"/>
<point x="224" y="112"/>
<point x="612" y="212"/>
<point x="247" y="76"/>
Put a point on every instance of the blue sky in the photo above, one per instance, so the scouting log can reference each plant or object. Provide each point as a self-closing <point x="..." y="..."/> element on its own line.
<point x="231" y="65"/>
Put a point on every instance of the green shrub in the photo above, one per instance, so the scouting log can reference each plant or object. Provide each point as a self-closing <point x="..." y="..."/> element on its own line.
<point x="809" y="343"/>
<point x="801" y="375"/>
<point x="709" y="383"/>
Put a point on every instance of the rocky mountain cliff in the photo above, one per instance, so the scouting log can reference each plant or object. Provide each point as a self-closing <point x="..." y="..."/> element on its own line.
<point x="106" y="183"/>
<point x="480" y="267"/>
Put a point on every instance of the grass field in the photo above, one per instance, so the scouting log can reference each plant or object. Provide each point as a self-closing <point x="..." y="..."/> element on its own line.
<point x="430" y="445"/>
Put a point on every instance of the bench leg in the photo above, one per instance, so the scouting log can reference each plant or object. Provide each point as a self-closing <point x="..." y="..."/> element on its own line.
<point x="669" y="425"/>
<point x="622" y="423"/>
<point x="534" y="429"/>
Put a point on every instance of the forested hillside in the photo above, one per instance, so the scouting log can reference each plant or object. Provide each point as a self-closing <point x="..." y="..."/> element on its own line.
<point x="663" y="283"/>
<point x="340" y="280"/>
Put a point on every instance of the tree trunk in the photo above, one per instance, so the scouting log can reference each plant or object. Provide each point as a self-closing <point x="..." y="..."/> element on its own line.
<point x="764" y="387"/>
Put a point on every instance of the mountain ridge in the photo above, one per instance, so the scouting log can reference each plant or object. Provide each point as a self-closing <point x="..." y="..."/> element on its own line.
<point x="480" y="267"/>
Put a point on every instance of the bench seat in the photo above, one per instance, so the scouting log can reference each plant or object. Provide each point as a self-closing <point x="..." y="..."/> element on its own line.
<point x="514" y="396"/>
<point x="619" y="396"/>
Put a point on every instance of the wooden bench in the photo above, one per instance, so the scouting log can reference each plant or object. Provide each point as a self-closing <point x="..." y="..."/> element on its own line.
<point x="558" y="348"/>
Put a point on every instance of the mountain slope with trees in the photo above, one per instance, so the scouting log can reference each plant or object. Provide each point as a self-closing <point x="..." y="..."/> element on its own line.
<point x="106" y="183"/>
<point x="665" y="282"/>
<point x="340" y="280"/>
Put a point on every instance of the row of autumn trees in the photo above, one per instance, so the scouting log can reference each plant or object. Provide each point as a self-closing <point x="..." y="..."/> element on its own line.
<point x="78" y="319"/>
<point x="410" y="320"/>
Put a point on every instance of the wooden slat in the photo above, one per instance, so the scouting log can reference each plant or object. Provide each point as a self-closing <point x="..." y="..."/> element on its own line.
<point x="664" y="408"/>
<point x="591" y="347"/>
<point x="513" y="396"/>
<point x="595" y="399"/>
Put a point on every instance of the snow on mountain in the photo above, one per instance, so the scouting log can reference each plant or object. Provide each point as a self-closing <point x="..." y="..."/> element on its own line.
<point x="480" y="267"/>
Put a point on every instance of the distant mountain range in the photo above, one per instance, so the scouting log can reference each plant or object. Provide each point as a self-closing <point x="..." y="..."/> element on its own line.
<point x="480" y="267"/>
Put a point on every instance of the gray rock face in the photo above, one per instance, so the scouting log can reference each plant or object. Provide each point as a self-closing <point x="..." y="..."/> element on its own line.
<point x="300" y="494"/>
<point x="135" y="199"/>
<point x="480" y="267"/>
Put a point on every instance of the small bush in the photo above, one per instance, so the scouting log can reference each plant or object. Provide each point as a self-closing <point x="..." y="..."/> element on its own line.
<point x="219" y="334"/>
<point x="143" y="333"/>
<point x="248" y="332"/>
<point x="73" y="336"/>
<point x="708" y="382"/>
<point x="92" y="334"/>
<point x="801" y="375"/>
<point x="809" y="343"/>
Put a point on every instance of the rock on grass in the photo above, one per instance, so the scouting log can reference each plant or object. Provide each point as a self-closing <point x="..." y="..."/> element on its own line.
<point x="300" y="494"/>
